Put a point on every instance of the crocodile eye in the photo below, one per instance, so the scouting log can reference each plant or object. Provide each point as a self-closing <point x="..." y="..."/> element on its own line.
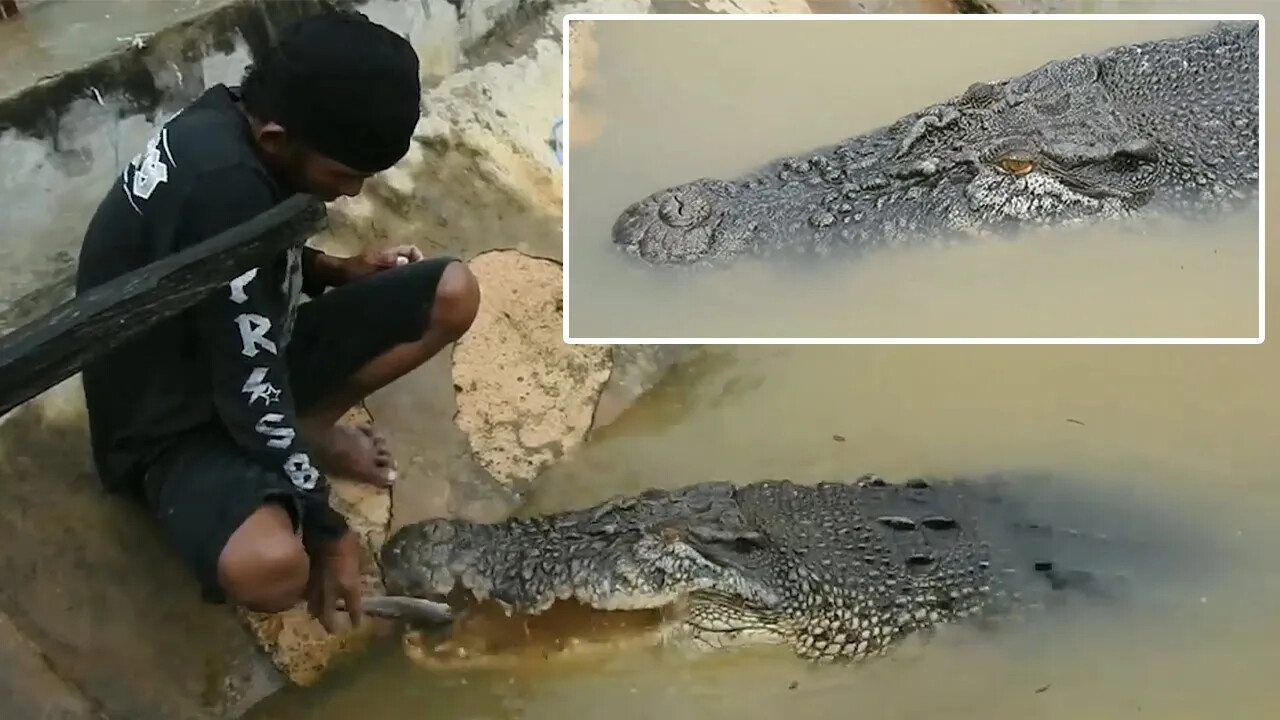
<point x="1016" y="166"/>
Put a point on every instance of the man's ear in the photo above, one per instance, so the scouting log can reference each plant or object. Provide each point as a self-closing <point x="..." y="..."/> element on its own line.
<point x="272" y="138"/>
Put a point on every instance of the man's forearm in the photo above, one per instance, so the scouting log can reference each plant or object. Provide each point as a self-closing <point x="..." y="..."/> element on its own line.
<point x="321" y="271"/>
<point x="252" y="394"/>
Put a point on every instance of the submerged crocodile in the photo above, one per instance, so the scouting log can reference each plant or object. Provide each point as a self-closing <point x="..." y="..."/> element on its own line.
<point x="1168" y="125"/>
<point x="837" y="571"/>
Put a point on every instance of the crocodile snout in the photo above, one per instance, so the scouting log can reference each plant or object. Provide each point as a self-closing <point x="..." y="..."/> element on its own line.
<point x="679" y="225"/>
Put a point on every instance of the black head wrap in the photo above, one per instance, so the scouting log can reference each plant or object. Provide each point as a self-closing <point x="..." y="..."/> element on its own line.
<point x="346" y="86"/>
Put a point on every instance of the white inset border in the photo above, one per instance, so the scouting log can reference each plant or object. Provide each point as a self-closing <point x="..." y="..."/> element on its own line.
<point x="871" y="17"/>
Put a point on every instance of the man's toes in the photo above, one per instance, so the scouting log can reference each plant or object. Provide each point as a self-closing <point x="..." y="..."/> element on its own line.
<point x="369" y="432"/>
<point x="378" y="441"/>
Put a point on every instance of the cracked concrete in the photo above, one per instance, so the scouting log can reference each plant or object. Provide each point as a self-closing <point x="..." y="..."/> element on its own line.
<point x="525" y="398"/>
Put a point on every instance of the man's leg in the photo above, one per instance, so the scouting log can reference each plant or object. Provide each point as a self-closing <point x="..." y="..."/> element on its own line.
<point x="233" y="523"/>
<point x="263" y="565"/>
<point x="359" y="338"/>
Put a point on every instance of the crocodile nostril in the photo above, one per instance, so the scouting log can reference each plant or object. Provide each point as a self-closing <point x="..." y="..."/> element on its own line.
<point x="684" y="208"/>
<point x="939" y="522"/>
<point x="897" y="522"/>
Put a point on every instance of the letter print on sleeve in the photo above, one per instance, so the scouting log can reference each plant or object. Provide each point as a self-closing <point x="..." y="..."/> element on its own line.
<point x="149" y="167"/>
<point x="281" y="437"/>
<point x="274" y="426"/>
<point x="253" y="334"/>
<point x="257" y="387"/>
<point x="238" y="285"/>
<point x="147" y="170"/>
<point x="300" y="471"/>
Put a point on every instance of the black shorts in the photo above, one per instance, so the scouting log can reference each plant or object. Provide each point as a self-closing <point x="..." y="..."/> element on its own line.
<point x="203" y="487"/>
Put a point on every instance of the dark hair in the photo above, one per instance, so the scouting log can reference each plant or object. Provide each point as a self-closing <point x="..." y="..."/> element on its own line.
<point x="255" y="91"/>
<point x="341" y="83"/>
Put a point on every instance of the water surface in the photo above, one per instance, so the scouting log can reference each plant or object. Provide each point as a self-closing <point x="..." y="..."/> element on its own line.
<point x="1190" y="430"/>
<point x="716" y="99"/>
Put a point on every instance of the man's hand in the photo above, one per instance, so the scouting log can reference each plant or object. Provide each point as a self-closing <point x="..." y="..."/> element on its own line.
<point x="375" y="261"/>
<point x="332" y="271"/>
<point x="335" y="574"/>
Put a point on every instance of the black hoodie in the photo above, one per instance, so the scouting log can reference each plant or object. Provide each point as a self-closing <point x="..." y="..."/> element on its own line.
<point x="221" y="361"/>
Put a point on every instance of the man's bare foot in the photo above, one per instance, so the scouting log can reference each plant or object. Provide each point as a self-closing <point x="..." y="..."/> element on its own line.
<point x="356" y="453"/>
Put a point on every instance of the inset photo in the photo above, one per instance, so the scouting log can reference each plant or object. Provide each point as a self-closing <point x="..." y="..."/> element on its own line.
<point x="1085" y="179"/>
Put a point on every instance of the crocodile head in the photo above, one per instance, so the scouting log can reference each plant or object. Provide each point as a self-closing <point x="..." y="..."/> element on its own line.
<point x="836" y="571"/>
<point x="1075" y="140"/>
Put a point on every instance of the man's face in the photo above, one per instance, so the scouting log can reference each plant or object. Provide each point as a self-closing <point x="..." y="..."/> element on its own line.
<point x="306" y="170"/>
<point x="327" y="179"/>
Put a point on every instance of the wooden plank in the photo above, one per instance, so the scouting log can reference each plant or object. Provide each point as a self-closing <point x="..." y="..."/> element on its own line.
<point x="52" y="348"/>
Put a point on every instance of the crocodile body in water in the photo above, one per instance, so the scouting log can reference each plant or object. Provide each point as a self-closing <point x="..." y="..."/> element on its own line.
<point x="1168" y="125"/>
<point x="837" y="571"/>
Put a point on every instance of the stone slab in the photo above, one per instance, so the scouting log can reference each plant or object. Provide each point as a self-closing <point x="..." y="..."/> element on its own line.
<point x="29" y="688"/>
<point x="525" y="398"/>
<point x="88" y="578"/>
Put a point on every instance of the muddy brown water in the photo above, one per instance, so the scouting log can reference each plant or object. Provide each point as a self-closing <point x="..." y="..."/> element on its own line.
<point x="1194" y="429"/>
<point x="719" y="98"/>
<point x="1183" y="428"/>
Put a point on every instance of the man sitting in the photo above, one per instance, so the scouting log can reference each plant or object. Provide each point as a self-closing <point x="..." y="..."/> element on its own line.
<point x="222" y="420"/>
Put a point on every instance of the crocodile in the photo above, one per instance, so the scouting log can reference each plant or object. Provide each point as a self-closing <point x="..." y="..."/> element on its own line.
<point x="839" y="571"/>
<point x="1157" y="127"/>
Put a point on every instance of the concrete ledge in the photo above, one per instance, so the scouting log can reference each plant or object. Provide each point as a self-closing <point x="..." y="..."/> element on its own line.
<point x="29" y="685"/>
<point x="85" y="578"/>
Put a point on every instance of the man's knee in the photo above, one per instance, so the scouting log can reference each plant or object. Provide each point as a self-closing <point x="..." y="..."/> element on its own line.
<point x="456" y="302"/>
<point x="264" y="566"/>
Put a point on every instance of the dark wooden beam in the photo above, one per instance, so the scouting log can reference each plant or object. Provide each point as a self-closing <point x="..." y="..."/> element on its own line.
<point x="52" y="348"/>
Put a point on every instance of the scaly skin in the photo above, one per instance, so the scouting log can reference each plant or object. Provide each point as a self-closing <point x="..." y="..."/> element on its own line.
<point x="837" y="571"/>
<point x="1169" y="125"/>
